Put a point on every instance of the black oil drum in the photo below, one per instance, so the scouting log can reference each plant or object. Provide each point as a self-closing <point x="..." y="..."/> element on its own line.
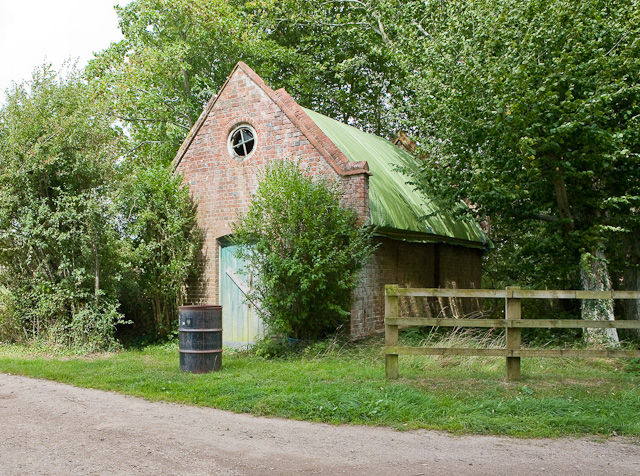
<point x="200" y="338"/>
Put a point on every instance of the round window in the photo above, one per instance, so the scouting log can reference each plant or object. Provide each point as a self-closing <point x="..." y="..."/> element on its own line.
<point x="242" y="141"/>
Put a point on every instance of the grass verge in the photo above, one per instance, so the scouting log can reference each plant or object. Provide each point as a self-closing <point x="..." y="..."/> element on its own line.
<point x="344" y="383"/>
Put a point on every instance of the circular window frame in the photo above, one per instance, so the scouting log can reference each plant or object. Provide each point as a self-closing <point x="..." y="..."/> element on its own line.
<point x="231" y="137"/>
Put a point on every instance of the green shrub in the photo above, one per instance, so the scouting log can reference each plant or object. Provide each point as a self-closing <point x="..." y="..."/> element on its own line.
<point x="633" y="366"/>
<point x="85" y="232"/>
<point x="159" y="245"/>
<point x="8" y="325"/>
<point x="304" y="249"/>
<point x="59" y="153"/>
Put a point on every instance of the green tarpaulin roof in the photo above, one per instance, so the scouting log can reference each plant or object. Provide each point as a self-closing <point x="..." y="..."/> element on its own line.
<point x="397" y="209"/>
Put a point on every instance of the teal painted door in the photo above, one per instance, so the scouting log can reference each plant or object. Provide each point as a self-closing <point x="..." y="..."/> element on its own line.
<point x="240" y="324"/>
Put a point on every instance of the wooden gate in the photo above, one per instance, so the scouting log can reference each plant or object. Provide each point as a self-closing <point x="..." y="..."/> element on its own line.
<point x="240" y="324"/>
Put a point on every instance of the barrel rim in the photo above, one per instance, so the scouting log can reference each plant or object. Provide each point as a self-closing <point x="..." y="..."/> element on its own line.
<point x="199" y="307"/>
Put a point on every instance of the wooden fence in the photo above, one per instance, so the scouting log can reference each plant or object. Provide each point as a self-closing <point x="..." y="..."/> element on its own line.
<point x="512" y="322"/>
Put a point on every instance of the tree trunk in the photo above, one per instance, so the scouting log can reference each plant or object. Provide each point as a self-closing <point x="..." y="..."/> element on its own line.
<point x="96" y="270"/>
<point x="595" y="277"/>
<point x="186" y="89"/>
<point x="594" y="273"/>
<point x="159" y="316"/>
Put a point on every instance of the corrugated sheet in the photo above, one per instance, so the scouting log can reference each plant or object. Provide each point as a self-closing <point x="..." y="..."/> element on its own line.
<point x="397" y="209"/>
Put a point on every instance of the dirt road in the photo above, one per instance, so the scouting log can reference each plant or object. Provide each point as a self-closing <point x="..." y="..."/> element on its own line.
<point x="49" y="428"/>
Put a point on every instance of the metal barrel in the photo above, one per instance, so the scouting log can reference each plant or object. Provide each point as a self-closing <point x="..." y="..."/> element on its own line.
<point x="200" y="333"/>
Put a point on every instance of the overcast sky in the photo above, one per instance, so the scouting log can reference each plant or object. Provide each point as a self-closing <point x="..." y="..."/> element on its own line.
<point x="32" y="31"/>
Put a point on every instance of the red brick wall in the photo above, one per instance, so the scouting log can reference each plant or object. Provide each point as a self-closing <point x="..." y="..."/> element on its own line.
<point x="222" y="186"/>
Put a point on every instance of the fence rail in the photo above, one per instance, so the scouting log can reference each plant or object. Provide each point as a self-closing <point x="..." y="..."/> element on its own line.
<point x="513" y="323"/>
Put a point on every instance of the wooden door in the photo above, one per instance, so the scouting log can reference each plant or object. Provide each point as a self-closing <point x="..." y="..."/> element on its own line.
<point x="240" y="324"/>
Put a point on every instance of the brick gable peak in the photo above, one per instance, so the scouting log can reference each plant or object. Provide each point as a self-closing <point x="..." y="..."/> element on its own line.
<point x="319" y="140"/>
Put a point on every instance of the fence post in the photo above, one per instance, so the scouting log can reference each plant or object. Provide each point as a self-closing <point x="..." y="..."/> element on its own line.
<point x="513" y="310"/>
<point x="390" y="332"/>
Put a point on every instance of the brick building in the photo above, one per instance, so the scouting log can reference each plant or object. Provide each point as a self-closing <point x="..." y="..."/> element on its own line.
<point x="248" y="125"/>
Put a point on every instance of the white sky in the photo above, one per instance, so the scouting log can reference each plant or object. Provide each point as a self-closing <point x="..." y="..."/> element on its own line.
<point x="35" y="31"/>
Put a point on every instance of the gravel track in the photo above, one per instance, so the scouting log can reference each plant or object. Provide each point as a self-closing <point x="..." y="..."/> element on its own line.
<point x="48" y="428"/>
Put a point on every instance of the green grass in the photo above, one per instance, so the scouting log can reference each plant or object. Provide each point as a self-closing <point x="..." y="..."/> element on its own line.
<point x="344" y="383"/>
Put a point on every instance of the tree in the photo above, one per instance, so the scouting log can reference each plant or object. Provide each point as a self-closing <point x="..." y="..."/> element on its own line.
<point x="58" y="154"/>
<point x="83" y="226"/>
<point x="338" y="60"/>
<point x="304" y="249"/>
<point x="160" y="242"/>
<point x="531" y="111"/>
<point x="528" y="109"/>
<point x="175" y="55"/>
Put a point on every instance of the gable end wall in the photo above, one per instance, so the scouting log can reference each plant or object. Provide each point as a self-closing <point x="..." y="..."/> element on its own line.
<point x="222" y="186"/>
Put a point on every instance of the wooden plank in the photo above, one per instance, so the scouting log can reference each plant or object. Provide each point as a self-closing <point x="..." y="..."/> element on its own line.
<point x="445" y="322"/>
<point x="522" y="323"/>
<point x="391" y="290"/>
<point x="237" y="280"/>
<point x="391" y="365"/>
<point x="574" y="294"/>
<point x="625" y="294"/>
<point x="391" y="330"/>
<point x="578" y="353"/>
<point x="391" y="336"/>
<point x="544" y="294"/>
<point x="594" y="295"/>
<point x="395" y="290"/>
<point x="546" y="353"/>
<point x="447" y="351"/>
<point x="575" y="323"/>
<point x="513" y="313"/>
<point x="438" y="292"/>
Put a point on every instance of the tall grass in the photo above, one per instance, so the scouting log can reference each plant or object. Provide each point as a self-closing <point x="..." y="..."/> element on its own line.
<point x="340" y="382"/>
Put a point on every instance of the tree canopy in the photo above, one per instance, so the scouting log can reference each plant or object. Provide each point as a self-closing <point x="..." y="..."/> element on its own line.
<point x="529" y="111"/>
<point x="174" y="56"/>
<point x="58" y="153"/>
<point x="177" y="54"/>
<point x="81" y="223"/>
<point x="526" y="110"/>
